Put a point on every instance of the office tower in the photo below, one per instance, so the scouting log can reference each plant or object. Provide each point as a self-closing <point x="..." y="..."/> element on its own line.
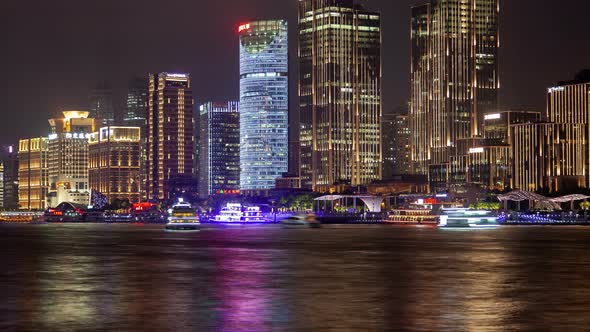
<point x="550" y="156"/>
<point x="136" y="113"/>
<point x="2" y="185"/>
<point x="264" y="104"/>
<point x="497" y="125"/>
<point x="101" y="104"/>
<point x="569" y="101"/>
<point x="9" y="157"/>
<point x="454" y="82"/>
<point x="219" y="144"/>
<point x="294" y="157"/>
<point x="33" y="175"/>
<point x="488" y="161"/>
<point x="68" y="158"/>
<point x="401" y="146"/>
<point x="388" y="141"/>
<point x="340" y="94"/>
<point x="170" y="139"/>
<point x="136" y="103"/>
<point x="554" y="156"/>
<point x="115" y="163"/>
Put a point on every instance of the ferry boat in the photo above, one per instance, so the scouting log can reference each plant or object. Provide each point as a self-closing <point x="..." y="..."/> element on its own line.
<point x="235" y="213"/>
<point x="413" y="217"/>
<point x="301" y="221"/>
<point x="467" y="218"/>
<point x="183" y="217"/>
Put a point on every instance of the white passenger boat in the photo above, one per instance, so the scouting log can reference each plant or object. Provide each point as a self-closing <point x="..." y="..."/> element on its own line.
<point x="468" y="218"/>
<point x="183" y="217"/>
<point x="235" y="213"/>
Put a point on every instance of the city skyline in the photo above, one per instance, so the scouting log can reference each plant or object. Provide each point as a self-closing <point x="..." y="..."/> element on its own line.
<point x="76" y="69"/>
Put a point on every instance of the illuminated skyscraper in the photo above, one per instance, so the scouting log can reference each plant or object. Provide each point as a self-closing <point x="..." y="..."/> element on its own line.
<point x="455" y="81"/>
<point x="264" y="103"/>
<point x="9" y="158"/>
<point x="401" y="145"/>
<point x="136" y="113"/>
<point x="101" y="104"/>
<point x="170" y="139"/>
<point x="555" y="156"/>
<point x="68" y="158"/>
<point x="340" y="93"/>
<point x="33" y="175"/>
<point x="219" y="143"/>
<point x="136" y="103"/>
<point x="115" y="162"/>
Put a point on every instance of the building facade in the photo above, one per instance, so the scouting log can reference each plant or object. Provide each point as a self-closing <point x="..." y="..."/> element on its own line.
<point x="550" y="156"/>
<point x="115" y="163"/>
<point x="497" y="124"/>
<point x="101" y="104"/>
<point x="33" y="174"/>
<point x="264" y="103"/>
<point x="401" y="149"/>
<point x="136" y="113"/>
<point x="454" y="82"/>
<point x="554" y="156"/>
<point x="136" y="103"/>
<point x="219" y="144"/>
<point x="170" y="137"/>
<point x="10" y="160"/>
<point x="340" y="94"/>
<point x="68" y="158"/>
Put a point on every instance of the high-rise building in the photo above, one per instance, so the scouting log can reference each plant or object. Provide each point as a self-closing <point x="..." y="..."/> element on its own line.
<point x="2" y="185"/>
<point x="136" y="113"/>
<point x="33" y="174"/>
<point x="68" y="158"/>
<point x="115" y="163"/>
<point x="264" y="103"/>
<point x="101" y="104"/>
<point x="340" y="94"/>
<point x="9" y="158"/>
<point x="555" y="156"/>
<point x="488" y="161"/>
<point x="136" y="104"/>
<point x="170" y="139"/>
<point x="401" y="147"/>
<point x="454" y="82"/>
<point x="219" y="143"/>
<point x="569" y="101"/>
<point x="496" y="125"/>
<point x="550" y="156"/>
<point x="388" y="141"/>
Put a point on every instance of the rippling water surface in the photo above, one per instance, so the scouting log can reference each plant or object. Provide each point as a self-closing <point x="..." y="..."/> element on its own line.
<point x="140" y="278"/>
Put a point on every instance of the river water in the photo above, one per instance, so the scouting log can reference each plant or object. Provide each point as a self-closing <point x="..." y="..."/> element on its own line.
<point x="347" y="278"/>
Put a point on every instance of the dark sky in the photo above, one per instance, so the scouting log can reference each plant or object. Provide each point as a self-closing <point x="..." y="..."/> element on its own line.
<point x="53" y="52"/>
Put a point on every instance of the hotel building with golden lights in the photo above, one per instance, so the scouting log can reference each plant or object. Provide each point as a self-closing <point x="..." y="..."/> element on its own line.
<point x="555" y="155"/>
<point x="115" y="163"/>
<point x="454" y="83"/>
<point x="33" y="175"/>
<point x="340" y="94"/>
<point x="68" y="158"/>
<point x="170" y="136"/>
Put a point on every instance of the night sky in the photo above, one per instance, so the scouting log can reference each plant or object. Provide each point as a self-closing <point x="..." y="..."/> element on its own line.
<point x="53" y="52"/>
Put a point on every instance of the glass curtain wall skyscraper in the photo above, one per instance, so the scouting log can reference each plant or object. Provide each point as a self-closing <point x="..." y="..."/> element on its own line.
<point x="101" y="104"/>
<point x="455" y="82"/>
<point x="264" y="103"/>
<point x="340" y="94"/>
<point x="219" y="144"/>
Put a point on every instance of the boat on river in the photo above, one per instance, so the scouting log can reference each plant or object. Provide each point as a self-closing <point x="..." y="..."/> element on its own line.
<point x="468" y="218"/>
<point x="183" y="217"/>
